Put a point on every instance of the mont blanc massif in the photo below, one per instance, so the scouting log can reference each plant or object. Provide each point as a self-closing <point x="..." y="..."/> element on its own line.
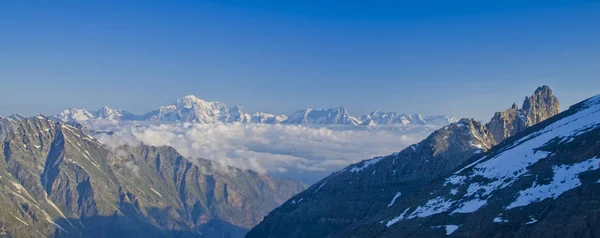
<point x="531" y="171"/>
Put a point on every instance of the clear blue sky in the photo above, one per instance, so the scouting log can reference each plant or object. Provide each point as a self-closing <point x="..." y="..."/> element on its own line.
<point x="464" y="58"/>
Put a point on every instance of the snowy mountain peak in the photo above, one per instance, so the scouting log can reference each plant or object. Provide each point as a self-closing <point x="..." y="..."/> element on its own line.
<point x="322" y="116"/>
<point x="191" y="109"/>
<point x="191" y="97"/>
<point x="391" y="118"/>
<point x="75" y="114"/>
<point x="190" y="101"/>
<point x="106" y="113"/>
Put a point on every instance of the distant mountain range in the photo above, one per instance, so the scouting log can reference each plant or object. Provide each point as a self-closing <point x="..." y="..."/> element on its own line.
<point x="193" y="109"/>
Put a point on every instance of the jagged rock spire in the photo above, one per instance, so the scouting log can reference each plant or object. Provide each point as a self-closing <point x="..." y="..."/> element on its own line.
<point x="541" y="105"/>
<point x="536" y="108"/>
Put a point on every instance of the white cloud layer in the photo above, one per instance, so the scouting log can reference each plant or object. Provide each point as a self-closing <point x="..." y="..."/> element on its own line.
<point x="286" y="151"/>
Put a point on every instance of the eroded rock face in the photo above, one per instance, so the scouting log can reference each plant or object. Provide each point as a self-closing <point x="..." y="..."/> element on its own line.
<point x="536" y="108"/>
<point x="507" y="123"/>
<point x="362" y="189"/>
<point x="7" y="124"/>
<point x="540" y="106"/>
<point x="56" y="180"/>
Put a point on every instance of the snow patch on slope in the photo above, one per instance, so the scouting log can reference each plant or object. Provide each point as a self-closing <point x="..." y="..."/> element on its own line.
<point x="397" y="219"/>
<point x="157" y="193"/>
<point x="470" y="206"/>
<point x="319" y="188"/>
<point x="566" y="177"/>
<point x="432" y="207"/>
<point x="394" y="199"/>
<point x="366" y="164"/>
<point x="450" y="229"/>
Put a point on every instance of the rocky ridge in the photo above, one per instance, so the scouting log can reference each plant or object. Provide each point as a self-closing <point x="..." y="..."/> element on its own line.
<point x="542" y="182"/>
<point x="355" y="193"/>
<point x="56" y="180"/>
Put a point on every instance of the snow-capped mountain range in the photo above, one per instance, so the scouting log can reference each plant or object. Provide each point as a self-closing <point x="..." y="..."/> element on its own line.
<point x="193" y="109"/>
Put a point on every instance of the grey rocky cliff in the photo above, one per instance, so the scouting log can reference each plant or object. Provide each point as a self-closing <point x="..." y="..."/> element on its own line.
<point x="507" y="123"/>
<point x="540" y="106"/>
<point x="364" y="188"/>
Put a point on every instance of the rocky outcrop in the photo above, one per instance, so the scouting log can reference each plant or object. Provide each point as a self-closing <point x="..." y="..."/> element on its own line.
<point x="507" y="123"/>
<point x="536" y="108"/>
<point x="6" y="125"/>
<point x="540" y="106"/>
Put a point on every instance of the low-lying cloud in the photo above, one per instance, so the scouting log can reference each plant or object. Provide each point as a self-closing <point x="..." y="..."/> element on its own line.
<point x="296" y="152"/>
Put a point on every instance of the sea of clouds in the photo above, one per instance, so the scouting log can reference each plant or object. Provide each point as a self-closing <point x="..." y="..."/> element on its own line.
<point x="297" y="152"/>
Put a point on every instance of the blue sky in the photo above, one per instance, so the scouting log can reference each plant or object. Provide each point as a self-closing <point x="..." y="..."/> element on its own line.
<point x="463" y="58"/>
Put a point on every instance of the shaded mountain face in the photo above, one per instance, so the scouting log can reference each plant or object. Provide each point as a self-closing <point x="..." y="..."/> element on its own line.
<point x="193" y="109"/>
<point x="56" y="180"/>
<point x="544" y="182"/>
<point x="362" y="189"/>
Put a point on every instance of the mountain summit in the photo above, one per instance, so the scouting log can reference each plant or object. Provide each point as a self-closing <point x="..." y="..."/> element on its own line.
<point x="192" y="109"/>
<point x="541" y="105"/>
<point x="365" y="188"/>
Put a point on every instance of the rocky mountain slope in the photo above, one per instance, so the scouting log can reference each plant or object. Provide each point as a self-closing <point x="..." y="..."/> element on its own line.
<point x="361" y="190"/>
<point x="544" y="182"/>
<point x="193" y="109"/>
<point x="56" y="180"/>
<point x="7" y="124"/>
